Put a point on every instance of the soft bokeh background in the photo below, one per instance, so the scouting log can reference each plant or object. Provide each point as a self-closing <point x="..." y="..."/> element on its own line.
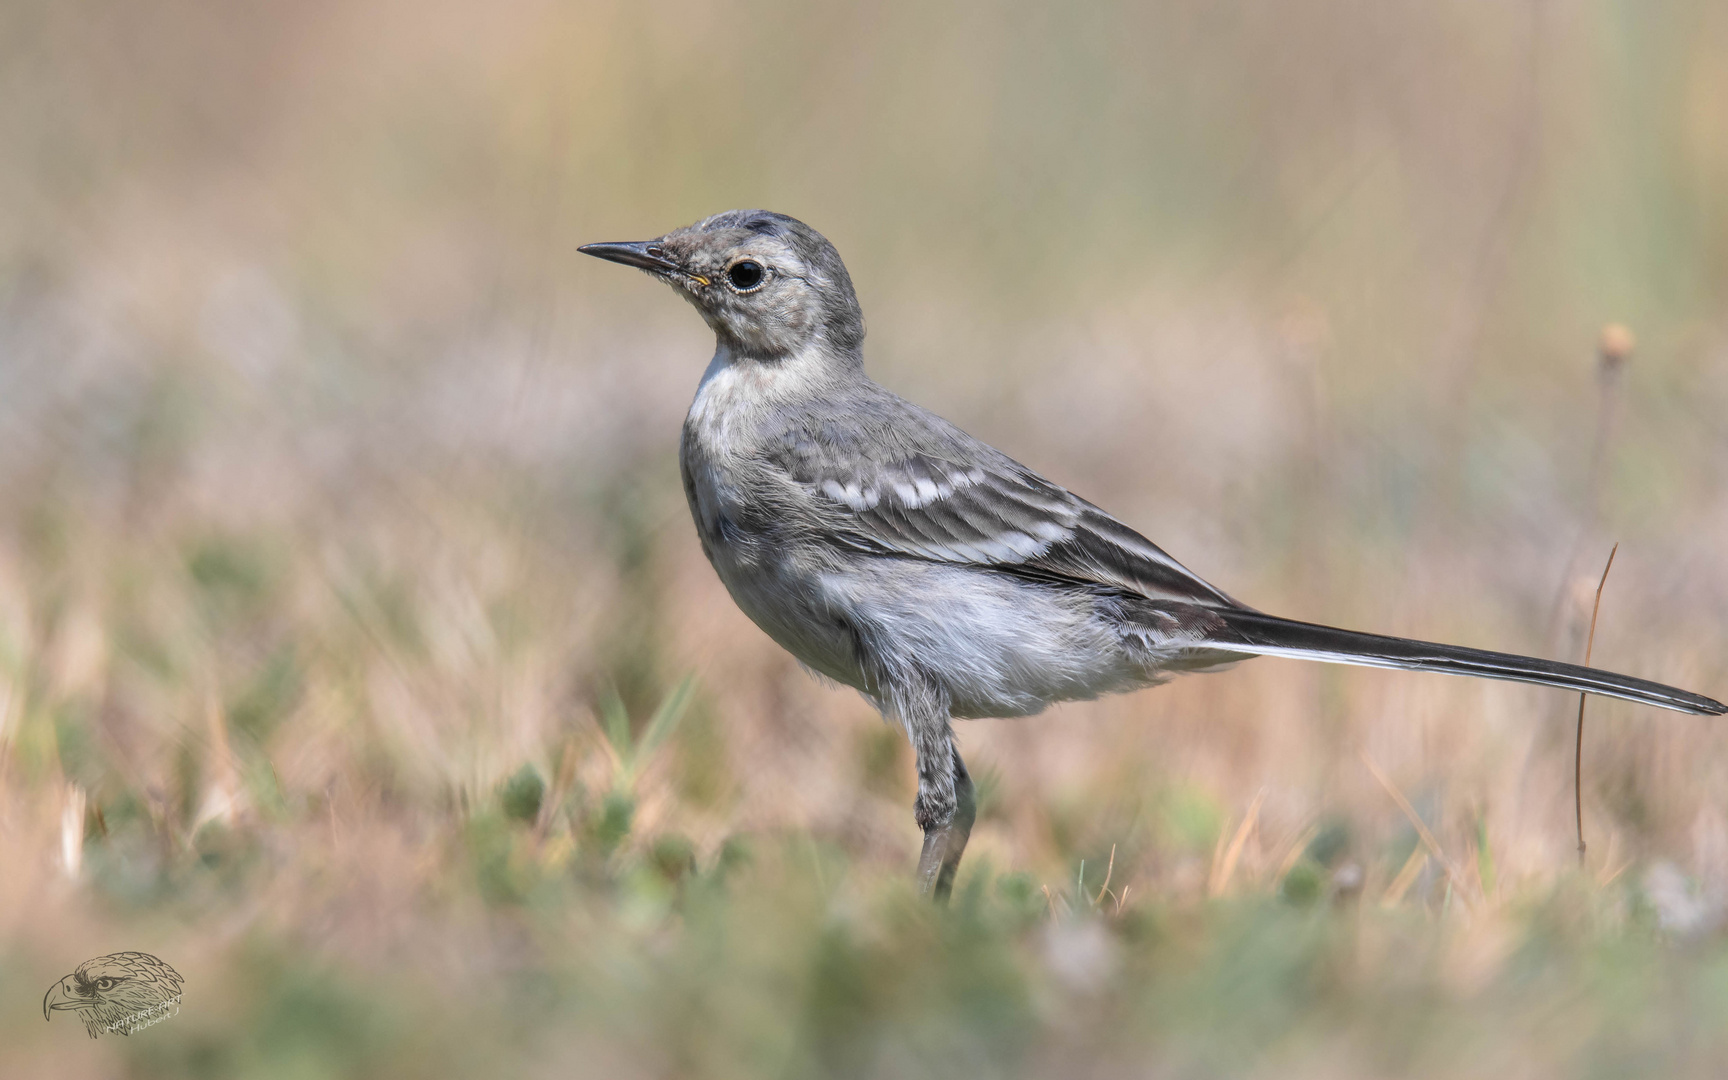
<point x="358" y="659"/>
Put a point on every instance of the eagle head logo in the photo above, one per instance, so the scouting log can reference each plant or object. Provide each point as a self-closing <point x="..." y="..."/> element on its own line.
<point x="123" y="992"/>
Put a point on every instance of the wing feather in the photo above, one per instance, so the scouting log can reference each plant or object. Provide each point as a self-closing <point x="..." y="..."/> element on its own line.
<point x="963" y="502"/>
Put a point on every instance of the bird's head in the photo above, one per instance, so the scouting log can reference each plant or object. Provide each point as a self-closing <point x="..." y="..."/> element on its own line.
<point x="768" y="285"/>
<point x="113" y="989"/>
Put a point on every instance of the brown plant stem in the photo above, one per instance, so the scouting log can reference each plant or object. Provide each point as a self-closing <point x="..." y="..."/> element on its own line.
<point x="1578" y="750"/>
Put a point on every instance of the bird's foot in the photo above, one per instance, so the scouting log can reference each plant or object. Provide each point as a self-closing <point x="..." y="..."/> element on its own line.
<point x="949" y="812"/>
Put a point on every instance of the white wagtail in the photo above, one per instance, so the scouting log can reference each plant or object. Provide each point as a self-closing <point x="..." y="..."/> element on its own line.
<point x="890" y="551"/>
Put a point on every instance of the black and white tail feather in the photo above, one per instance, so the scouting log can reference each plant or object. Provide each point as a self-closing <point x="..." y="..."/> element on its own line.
<point x="1268" y="635"/>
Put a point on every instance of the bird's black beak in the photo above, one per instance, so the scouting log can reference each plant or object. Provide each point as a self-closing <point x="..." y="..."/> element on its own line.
<point x="61" y="995"/>
<point x="646" y="255"/>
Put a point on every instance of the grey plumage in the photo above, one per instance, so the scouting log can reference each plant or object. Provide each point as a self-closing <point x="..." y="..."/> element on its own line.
<point x="890" y="551"/>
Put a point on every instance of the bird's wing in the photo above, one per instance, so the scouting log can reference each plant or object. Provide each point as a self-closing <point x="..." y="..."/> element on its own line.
<point x="927" y="490"/>
<point x="956" y="500"/>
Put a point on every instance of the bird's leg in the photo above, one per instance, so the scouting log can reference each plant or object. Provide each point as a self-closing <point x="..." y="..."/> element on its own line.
<point x="944" y="842"/>
<point x="945" y="806"/>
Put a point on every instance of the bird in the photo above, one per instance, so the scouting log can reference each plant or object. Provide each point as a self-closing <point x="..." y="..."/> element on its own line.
<point x="122" y="992"/>
<point x="891" y="552"/>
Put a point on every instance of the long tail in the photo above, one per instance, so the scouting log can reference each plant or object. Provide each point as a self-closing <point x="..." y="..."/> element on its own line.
<point x="1252" y="632"/>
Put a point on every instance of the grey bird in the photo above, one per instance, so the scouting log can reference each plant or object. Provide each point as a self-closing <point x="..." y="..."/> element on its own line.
<point x="892" y="552"/>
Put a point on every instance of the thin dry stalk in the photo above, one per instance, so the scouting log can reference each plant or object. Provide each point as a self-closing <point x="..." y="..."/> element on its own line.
<point x="72" y="832"/>
<point x="1108" y="870"/>
<point x="1612" y="351"/>
<point x="1578" y="749"/>
<point x="1406" y="877"/>
<point x="1428" y="840"/>
<point x="1223" y="869"/>
<point x="1219" y="846"/>
<point x="1609" y="870"/>
<point x="1298" y="847"/>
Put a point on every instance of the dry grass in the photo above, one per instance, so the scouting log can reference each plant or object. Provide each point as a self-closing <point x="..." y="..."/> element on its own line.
<point x="348" y="600"/>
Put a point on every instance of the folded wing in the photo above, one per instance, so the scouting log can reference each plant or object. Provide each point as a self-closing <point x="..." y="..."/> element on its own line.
<point x="973" y="505"/>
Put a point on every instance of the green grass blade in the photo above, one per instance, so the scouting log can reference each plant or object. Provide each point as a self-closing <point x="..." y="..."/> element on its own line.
<point x="615" y="720"/>
<point x="663" y="723"/>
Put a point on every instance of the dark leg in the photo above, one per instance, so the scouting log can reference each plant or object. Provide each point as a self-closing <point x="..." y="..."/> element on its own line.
<point x="943" y="843"/>
<point x="945" y="806"/>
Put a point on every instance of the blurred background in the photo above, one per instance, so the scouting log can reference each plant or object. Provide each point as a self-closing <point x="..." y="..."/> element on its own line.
<point x="358" y="659"/>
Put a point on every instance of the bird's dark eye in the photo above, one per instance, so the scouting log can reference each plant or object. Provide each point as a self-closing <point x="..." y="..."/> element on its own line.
<point x="104" y="984"/>
<point x="745" y="274"/>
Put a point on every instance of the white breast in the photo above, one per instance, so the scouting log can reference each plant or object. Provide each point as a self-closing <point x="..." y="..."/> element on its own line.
<point x="736" y="393"/>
